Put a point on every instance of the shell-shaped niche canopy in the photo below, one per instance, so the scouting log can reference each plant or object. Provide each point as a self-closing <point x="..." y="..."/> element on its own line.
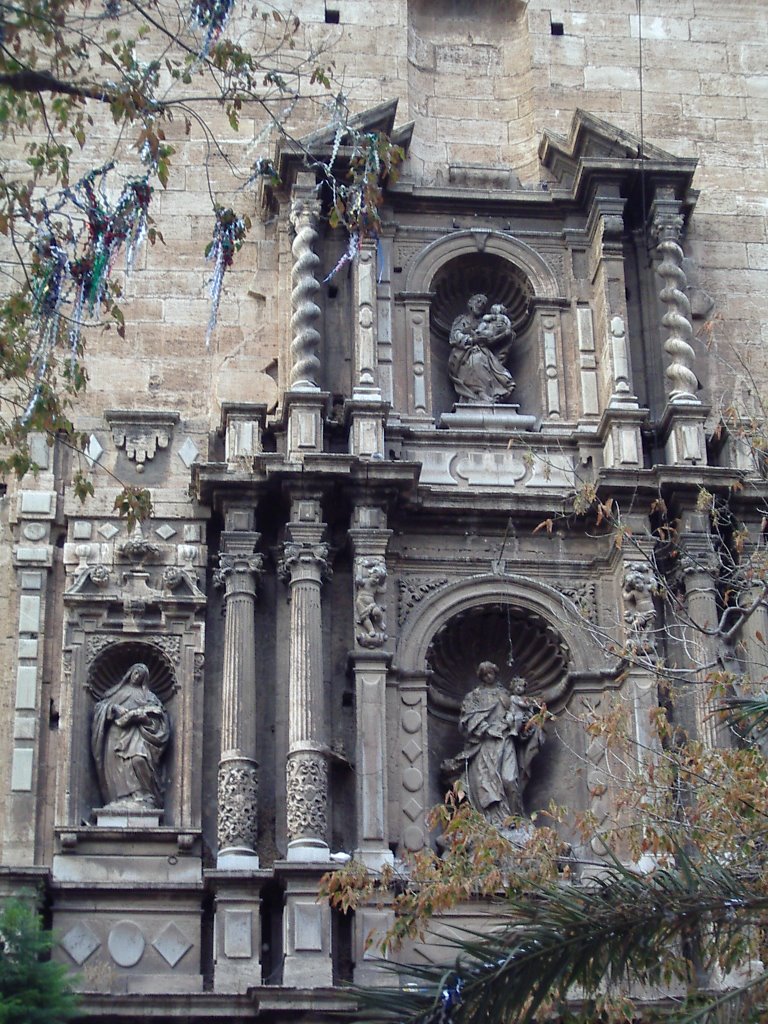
<point x="518" y="641"/>
<point x="111" y="664"/>
<point x="501" y="281"/>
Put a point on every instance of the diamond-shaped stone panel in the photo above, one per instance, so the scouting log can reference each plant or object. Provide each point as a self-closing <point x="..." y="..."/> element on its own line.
<point x="93" y="450"/>
<point x="108" y="531"/>
<point x="172" y="944"/>
<point x="188" y="452"/>
<point x="412" y="750"/>
<point x="165" y="531"/>
<point x="79" y="942"/>
<point x="413" y="808"/>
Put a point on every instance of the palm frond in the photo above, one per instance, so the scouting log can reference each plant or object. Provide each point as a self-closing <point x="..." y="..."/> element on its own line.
<point x="747" y="713"/>
<point x="619" y="928"/>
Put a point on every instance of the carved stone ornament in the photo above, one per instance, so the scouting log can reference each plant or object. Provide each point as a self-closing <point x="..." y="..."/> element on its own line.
<point x="141" y="433"/>
<point x="583" y="596"/>
<point x="238" y="803"/>
<point x="370" y="581"/>
<point x="639" y="586"/>
<point x="296" y="555"/>
<point x="230" y="564"/>
<point x="413" y="589"/>
<point x="137" y="548"/>
<point x="480" y="341"/>
<point x="307" y="796"/>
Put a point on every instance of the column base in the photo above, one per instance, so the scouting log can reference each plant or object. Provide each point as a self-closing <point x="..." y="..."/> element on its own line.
<point x="237" y="858"/>
<point x="376" y="859"/>
<point x="308" y="851"/>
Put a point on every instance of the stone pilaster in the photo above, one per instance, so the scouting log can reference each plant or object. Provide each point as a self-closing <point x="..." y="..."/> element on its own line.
<point x="619" y="426"/>
<point x="366" y="412"/>
<point x="683" y="420"/>
<point x="33" y="560"/>
<point x="238" y="770"/>
<point x="304" y="566"/>
<point x="370" y="662"/>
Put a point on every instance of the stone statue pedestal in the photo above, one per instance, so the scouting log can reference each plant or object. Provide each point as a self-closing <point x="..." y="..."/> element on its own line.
<point x="128" y="817"/>
<point x="486" y="416"/>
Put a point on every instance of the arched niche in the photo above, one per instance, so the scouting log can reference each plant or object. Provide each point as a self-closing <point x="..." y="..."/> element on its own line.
<point x="442" y="642"/>
<point x="108" y="666"/>
<point x="510" y="273"/>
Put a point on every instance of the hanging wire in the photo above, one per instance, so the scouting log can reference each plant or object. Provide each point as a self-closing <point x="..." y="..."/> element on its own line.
<point x="642" y="132"/>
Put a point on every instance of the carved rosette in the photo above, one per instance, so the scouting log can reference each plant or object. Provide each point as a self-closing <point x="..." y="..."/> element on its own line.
<point x="238" y="803"/>
<point x="307" y="796"/>
<point x="305" y="364"/>
<point x="667" y="228"/>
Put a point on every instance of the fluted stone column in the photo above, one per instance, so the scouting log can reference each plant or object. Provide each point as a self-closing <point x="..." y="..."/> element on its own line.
<point x="304" y="567"/>
<point x="370" y="662"/>
<point x="238" y="775"/>
<point x="699" y="565"/>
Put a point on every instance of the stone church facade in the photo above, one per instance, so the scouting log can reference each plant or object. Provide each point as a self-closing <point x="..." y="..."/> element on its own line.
<point x="349" y="487"/>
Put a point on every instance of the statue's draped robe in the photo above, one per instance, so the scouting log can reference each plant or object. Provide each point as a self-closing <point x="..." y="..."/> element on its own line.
<point x="128" y="757"/>
<point x="477" y="374"/>
<point x="497" y="757"/>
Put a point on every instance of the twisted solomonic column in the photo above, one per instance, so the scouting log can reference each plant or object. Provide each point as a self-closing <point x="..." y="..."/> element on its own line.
<point x="304" y="567"/>
<point x="238" y="770"/>
<point x="683" y="381"/>
<point x="305" y="364"/>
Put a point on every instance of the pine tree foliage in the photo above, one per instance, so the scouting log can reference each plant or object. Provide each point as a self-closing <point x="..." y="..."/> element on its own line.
<point x="33" y="989"/>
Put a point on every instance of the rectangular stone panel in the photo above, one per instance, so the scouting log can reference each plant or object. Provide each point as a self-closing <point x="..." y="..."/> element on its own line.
<point x="308" y="927"/>
<point x="238" y="932"/>
<point x="29" y="614"/>
<point x="21" y="769"/>
<point x="26" y="687"/>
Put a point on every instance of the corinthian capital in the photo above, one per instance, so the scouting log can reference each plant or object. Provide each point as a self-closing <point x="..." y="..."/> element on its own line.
<point x="302" y="558"/>
<point x="237" y="570"/>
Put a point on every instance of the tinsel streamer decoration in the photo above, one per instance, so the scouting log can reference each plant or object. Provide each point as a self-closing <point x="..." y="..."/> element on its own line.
<point x="228" y="234"/>
<point x="211" y="16"/>
<point x="49" y="288"/>
<point x="349" y="256"/>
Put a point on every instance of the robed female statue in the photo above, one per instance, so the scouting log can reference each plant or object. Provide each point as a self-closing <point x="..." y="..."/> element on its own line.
<point x="129" y="735"/>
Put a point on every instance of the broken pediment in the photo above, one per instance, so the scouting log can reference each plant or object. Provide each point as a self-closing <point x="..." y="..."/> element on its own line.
<point x="597" y="144"/>
<point x="329" y="143"/>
